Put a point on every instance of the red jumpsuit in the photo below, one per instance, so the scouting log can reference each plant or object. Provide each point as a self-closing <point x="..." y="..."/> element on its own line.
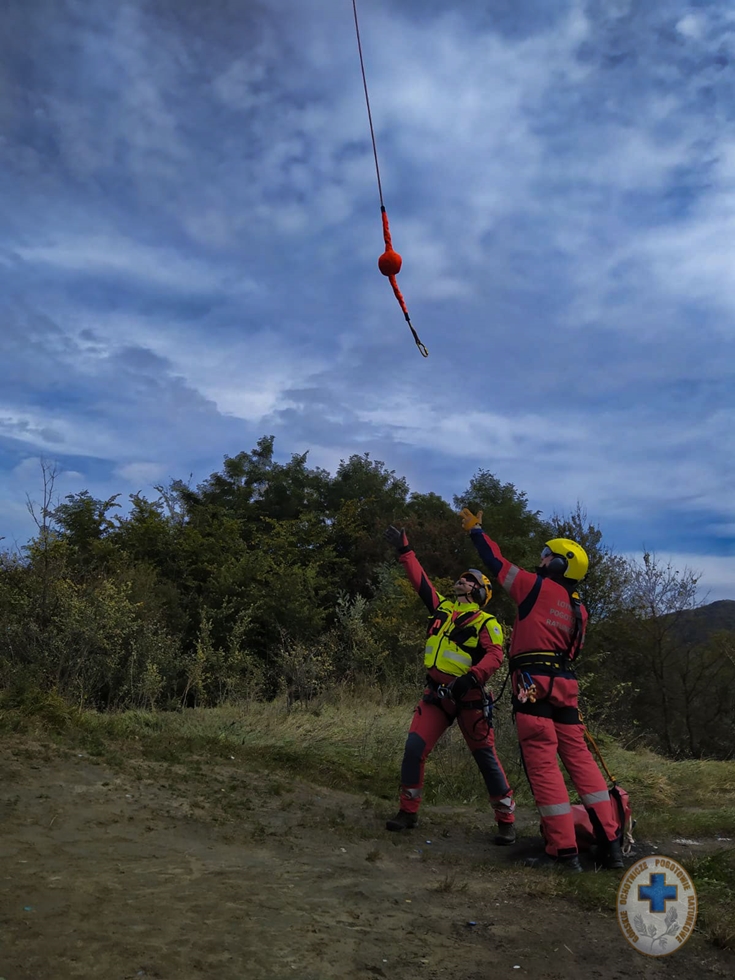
<point x="433" y="715"/>
<point x="546" y="626"/>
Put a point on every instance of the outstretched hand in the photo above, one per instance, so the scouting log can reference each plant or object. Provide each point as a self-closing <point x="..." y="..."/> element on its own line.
<point x="470" y="520"/>
<point x="395" y="537"/>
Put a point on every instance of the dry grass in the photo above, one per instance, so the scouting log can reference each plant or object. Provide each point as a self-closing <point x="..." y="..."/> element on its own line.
<point x="356" y="744"/>
<point x="451" y="883"/>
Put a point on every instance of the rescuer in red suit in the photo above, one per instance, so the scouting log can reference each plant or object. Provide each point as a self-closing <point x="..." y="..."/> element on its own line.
<point x="463" y="649"/>
<point x="548" y="633"/>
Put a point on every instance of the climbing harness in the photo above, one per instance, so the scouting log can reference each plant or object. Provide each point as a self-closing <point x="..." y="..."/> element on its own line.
<point x="484" y="704"/>
<point x="390" y="261"/>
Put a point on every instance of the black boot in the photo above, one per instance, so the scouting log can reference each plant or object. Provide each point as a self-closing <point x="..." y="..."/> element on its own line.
<point x="569" y="864"/>
<point x="506" y="834"/>
<point x="402" y="821"/>
<point x="610" y="855"/>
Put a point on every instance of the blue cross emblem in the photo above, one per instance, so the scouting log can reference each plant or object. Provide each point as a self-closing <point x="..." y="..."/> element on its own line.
<point x="657" y="893"/>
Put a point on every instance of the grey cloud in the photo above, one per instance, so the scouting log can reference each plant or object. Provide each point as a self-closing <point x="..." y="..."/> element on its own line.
<point x="138" y="359"/>
<point x="536" y="158"/>
<point x="27" y="429"/>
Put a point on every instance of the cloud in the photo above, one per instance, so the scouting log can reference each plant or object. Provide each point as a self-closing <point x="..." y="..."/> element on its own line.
<point x="29" y="429"/>
<point x="191" y="229"/>
<point x="691" y="26"/>
<point x="144" y="473"/>
<point x="92" y="256"/>
<point x="723" y="530"/>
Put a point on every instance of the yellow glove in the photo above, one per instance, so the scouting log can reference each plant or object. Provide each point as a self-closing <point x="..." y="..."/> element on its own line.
<point x="469" y="520"/>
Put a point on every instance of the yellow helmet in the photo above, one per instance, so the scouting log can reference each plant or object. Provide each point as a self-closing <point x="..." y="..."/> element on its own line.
<point x="483" y="593"/>
<point x="572" y="558"/>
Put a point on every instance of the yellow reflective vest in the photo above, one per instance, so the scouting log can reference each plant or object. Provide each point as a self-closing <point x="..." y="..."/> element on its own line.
<point x="452" y="639"/>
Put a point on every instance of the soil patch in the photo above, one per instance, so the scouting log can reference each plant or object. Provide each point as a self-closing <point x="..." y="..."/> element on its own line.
<point x="156" y="870"/>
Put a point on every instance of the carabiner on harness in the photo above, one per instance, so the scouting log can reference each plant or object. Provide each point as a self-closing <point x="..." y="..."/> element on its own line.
<point x="526" y="688"/>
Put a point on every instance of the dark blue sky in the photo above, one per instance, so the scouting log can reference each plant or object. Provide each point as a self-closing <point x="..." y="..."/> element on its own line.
<point x="191" y="227"/>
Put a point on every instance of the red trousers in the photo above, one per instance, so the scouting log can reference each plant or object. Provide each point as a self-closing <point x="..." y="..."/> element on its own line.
<point x="430" y="720"/>
<point x="549" y="727"/>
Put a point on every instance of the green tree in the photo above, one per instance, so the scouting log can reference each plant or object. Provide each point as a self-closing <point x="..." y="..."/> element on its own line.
<point x="252" y="486"/>
<point x="363" y="499"/>
<point x="435" y="534"/>
<point x="83" y="522"/>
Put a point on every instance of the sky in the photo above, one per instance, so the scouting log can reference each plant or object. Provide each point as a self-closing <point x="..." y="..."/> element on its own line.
<point x="191" y="225"/>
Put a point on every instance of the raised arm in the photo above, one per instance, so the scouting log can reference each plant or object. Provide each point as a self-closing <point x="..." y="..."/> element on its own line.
<point x="516" y="581"/>
<point x="416" y="575"/>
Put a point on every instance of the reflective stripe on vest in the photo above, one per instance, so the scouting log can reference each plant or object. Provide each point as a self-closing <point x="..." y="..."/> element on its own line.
<point x="444" y="654"/>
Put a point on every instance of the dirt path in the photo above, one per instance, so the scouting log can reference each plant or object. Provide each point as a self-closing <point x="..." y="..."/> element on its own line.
<point x="229" y="875"/>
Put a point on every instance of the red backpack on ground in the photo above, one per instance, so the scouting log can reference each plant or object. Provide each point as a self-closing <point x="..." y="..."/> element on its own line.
<point x="621" y="805"/>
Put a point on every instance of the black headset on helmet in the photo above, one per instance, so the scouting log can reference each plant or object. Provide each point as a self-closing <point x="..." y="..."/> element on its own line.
<point x="482" y="592"/>
<point x="558" y="564"/>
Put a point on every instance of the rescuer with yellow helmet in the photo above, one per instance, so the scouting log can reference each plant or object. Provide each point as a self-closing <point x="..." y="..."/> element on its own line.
<point x="464" y="647"/>
<point x="548" y="634"/>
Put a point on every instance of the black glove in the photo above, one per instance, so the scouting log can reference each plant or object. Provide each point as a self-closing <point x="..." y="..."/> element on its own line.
<point x="463" y="685"/>
<point x="397" y="538"/>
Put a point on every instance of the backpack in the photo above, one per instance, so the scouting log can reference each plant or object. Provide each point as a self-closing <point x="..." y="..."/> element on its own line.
<point x="622" y="811"/>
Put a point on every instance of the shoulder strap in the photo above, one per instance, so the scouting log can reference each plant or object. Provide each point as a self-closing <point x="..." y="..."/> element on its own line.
<point x="527" y="604"/>
<point x="575" y="644"/>
<point x="475" y="617"/>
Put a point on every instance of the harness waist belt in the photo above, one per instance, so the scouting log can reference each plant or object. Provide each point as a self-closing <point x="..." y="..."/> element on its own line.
<point x="544" y="658"/>
<point x="483" y="701"/>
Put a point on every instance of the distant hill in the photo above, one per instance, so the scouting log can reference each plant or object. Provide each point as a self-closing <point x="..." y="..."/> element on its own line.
<point x="697" y="625"/>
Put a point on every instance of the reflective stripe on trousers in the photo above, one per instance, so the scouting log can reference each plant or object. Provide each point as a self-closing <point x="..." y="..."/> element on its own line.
<point x="555" y="809"/>
<point x="589" y="799"/>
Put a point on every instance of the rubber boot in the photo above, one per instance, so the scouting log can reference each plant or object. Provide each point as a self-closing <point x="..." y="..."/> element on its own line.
<point x="610" y="856"/>
<point x="402" y="821"/>
<point x="506" y="834"/>
<point x="569" y="864"/>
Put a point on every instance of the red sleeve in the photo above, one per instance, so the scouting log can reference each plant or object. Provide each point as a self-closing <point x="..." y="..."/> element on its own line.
<point x="516" y="581"/>
<point x="420" y="580"/>
<point x="492" y="657"/>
